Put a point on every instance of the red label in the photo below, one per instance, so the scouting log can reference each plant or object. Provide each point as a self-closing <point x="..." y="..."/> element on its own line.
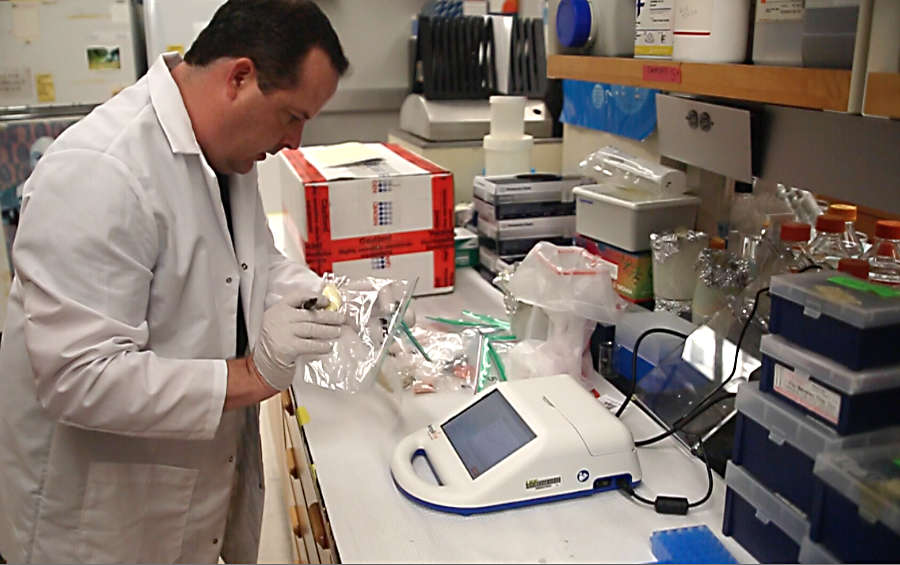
<point x="662" y="73"/>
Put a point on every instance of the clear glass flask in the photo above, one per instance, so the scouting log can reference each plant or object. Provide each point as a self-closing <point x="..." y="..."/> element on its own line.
<point x="884" y="255"/>
<point x="827" y="248"/>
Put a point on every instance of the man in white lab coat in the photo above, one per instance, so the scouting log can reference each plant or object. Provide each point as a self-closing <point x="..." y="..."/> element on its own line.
<point x="150" y="311"/>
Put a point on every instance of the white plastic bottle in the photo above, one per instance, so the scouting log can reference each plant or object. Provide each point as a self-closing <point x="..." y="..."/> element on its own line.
<point x="711" y="31"/>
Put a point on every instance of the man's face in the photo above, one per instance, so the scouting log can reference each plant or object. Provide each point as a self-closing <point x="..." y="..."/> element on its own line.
<point x="268" y="122"/>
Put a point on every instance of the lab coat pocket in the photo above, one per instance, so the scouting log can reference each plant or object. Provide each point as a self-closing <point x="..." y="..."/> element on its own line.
<point x="134" y="513"/>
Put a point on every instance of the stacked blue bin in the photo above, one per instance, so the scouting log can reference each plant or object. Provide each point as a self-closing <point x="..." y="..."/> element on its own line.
<point x="819" y="426"/>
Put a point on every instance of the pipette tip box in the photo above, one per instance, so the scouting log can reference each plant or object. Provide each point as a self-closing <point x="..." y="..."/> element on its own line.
<point x="770" y="528"/>
<point x="851" y="321"/>
<point x="856" y="515"/>
<point x="768" y="429"/>
<point x="845" y="400"/>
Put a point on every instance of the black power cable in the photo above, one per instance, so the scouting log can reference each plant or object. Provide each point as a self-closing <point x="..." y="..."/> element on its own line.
<point x="673" y="504"/>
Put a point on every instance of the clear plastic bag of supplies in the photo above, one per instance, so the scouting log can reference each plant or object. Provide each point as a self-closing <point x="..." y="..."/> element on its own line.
<point x="611" y="165"/>
<point x="574" y="290"/>
<point x="470" y="354"/>
<point x="374" y="309"/>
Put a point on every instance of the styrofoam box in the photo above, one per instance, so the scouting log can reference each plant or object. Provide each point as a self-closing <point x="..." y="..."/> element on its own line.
<point x="625" y="218"/>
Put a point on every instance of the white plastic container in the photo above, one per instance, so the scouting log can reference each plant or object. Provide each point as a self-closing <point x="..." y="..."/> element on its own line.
<point x="507" y="149"/>
<point x="711" y="31"/>
<point x="778" y="33"/>
<point x="504" y="156"/>
<point x="626" y="218"/>
<point x="507" y="116"/>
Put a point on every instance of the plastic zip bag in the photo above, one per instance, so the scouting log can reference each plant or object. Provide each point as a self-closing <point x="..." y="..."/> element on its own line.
<point x="374" y="309"/>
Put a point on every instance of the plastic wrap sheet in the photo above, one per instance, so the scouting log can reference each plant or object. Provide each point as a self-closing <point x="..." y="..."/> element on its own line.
<point x="374" y="309"/>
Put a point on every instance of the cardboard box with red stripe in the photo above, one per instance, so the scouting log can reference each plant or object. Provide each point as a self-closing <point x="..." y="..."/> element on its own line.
<point x="373" y="209"/>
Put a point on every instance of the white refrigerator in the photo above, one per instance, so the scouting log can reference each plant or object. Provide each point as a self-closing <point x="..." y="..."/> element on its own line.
<point x="68" y="52"/>
<point x="172" y="25"/>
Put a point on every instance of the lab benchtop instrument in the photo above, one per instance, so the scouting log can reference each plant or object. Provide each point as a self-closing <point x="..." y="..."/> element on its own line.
<point x="516" y="444"/>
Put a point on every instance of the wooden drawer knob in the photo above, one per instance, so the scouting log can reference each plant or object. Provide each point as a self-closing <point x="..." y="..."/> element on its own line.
<point x="317" y="523"/>
<point x="291" y="462"/>
<point x="286" y="402"/>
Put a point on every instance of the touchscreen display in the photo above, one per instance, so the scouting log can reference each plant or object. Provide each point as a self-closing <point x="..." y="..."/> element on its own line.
<point x="486" y="433"/>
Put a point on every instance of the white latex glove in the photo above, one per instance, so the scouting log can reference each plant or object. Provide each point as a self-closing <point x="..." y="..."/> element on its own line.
<point x="292" y="333"/>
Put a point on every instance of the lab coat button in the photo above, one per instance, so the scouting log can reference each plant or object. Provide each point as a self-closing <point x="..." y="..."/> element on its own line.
<point x="231" y="458"/>
<point x="228" y="280"/>
<point x="244" y="266"/>
<point x="215" y="541"/>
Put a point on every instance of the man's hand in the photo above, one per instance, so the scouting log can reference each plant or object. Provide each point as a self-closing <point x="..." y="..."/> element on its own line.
<point x="291" y="331"/>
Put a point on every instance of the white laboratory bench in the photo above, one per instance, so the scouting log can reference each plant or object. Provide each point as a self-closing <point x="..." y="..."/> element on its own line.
<point x="345" y="506"/>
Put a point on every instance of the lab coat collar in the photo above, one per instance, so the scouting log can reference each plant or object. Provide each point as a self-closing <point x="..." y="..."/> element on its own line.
<point x="169" y="106"/>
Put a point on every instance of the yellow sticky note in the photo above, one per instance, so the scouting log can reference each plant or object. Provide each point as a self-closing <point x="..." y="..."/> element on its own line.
<point x="179" y="48"/>
<point x="302" y="416"/>
<point x="46" y="92"/>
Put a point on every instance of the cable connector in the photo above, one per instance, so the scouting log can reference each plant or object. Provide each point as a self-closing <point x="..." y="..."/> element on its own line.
<point x="671" y="505"/>
<point x="678" y="505"/>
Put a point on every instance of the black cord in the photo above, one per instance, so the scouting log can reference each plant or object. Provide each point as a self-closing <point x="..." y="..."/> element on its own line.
<point x="697" y="410"/>
<point x="709" y="478"/>
<point x="673" y="504"/>
<point x="634" y="358"/>
<point x="809" y="267"/>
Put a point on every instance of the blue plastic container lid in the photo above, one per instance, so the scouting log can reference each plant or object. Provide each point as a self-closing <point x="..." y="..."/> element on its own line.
<point x="769" y="507"/>
<point x="573" y="22"/>
<point x="868" y="476"/>
<point x="787" y="424"/>
<point x="827" y="371"/>
<point x="853" y="301"/>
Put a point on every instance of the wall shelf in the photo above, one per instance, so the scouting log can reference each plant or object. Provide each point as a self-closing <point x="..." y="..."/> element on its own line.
<point x="822" y="89"/>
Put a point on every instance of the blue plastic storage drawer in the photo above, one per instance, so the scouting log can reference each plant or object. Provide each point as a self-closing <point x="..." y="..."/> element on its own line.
<point x="851" y="321"/>
<point x="777" y="444"/>
<point x="769" y="528"/>
<point x="848" y="401"/>
<point x="856" y="514"/>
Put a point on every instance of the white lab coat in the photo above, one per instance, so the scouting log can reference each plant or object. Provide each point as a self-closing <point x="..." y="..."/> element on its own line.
<point x="113" y="443"/>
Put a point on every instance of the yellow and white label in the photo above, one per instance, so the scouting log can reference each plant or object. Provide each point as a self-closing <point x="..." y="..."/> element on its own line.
<point x="653" y="28"/>
<point x="797" y="386"/>
<point x="46" y="91"/>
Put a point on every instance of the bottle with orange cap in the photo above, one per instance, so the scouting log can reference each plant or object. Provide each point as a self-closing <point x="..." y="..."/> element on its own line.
<point x="795" y="238"/>
<point x="884" y="255"/>
<point x="859" y="268"/>
<point x="827" y="248"/>
<point x="849" y="238"/>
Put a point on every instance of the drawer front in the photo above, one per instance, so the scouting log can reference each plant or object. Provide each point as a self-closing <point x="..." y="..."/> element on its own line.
<point x="318" y="540"/>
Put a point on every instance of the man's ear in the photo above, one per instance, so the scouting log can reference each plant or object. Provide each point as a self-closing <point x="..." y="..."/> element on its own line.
<point x="241" y="74"/>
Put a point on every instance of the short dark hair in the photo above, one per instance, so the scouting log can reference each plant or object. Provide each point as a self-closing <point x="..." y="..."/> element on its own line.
<point x="275" y="34"/>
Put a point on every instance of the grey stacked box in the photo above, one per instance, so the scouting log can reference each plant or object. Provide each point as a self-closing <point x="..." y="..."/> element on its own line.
<point x="516" y="211"/>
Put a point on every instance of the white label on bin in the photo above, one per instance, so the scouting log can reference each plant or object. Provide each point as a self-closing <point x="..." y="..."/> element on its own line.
<point x="797" y="386"/>
<point x="779" y="10"/>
